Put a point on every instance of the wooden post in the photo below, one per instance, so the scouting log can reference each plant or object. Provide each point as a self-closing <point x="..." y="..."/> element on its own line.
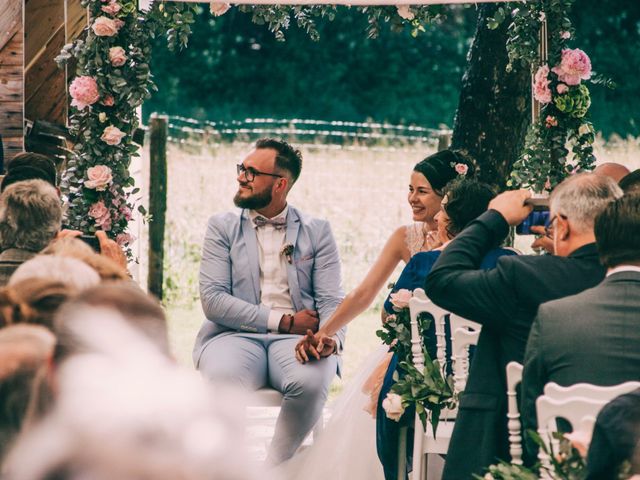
<point x="157" y="201"/>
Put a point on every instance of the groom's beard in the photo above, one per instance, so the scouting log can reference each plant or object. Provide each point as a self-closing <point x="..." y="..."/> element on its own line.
<point x="255" y="201"/>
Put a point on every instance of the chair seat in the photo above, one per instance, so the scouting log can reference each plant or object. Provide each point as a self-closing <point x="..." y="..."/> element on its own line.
<point x="439" y="444"/>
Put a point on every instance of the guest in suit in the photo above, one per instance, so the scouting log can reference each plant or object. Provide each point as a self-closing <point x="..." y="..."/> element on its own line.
<point x="593" y="336"/>
<point x="505" y="300"/>
<point x="30" y="217"/>
<point x="616" y="438"/>
<point x="269" y="274"/>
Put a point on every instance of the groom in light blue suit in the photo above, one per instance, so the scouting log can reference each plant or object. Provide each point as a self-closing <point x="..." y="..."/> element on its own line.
<point x="269" y="275"/>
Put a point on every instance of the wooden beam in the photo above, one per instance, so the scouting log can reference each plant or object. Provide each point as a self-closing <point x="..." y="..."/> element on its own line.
<point x="10" y="20"/>
<point x="158" y="131"/>
<point x="75" y="21"/>
<point x="42" y="19"/>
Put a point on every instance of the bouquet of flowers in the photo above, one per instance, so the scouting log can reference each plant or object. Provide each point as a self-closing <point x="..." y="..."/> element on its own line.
<point x="428" y="390"/>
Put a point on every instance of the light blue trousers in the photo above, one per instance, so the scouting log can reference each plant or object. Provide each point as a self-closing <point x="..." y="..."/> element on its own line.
<point x="255" y="361"/>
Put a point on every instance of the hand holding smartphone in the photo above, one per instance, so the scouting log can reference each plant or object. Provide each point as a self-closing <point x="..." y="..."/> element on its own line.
<point x="539" y="216"/>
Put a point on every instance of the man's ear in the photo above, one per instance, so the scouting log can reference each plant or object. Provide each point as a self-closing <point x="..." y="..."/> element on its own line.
<point x="564" y="228"/>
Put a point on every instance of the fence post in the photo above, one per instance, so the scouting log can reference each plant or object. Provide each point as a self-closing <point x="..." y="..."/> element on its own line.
<point x="444" y="140"/>
<point x="158" y="127"/>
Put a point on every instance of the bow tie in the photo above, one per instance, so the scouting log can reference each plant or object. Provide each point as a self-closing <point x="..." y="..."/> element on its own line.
<point x="277" y="223"/>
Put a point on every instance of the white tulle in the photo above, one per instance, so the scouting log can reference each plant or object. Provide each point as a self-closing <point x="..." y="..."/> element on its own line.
<point x="346" y="450"/>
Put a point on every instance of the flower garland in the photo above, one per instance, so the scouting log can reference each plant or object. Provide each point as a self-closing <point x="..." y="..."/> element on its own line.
<point x="112" y="78"/>
<point x="560" y="88"/>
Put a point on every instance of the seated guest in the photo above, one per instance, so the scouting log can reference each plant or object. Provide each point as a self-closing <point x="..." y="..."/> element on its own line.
<point x="613" y="170"/>
<point x="616" y="436"/>
<point x="30" y="217"/>
<point x="30" y="166"/>
<point x="33" y="300"/>
<point x="505" y="300"/>
<point x="593" y="336"/>
<point x="464" y="200"/>
<point x="67" y="270"/>
<point x="24" y="349"/>
<point x="631" y="183"/>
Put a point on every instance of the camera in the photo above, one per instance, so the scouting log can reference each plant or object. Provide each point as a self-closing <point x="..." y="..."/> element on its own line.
<point x="92" y="241"/>
<point x="539" y="216"/>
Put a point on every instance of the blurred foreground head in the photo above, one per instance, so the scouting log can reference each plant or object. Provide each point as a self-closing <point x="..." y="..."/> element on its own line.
<point x="24" y="351"/>
<point x="67" y="270"/>
<point x="125" y="411"/>
<point x="617" y="232"/>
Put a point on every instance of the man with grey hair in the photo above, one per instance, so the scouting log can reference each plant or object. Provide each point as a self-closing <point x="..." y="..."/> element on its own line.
<point x="30" y="217"/>
<point x="505" y="301"/>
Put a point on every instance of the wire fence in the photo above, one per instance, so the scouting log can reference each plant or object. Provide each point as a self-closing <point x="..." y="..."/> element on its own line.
<point x="305" y="132"/>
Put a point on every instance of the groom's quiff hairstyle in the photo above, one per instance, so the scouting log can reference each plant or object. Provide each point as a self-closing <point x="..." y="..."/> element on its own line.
<point x="287" y="157"/>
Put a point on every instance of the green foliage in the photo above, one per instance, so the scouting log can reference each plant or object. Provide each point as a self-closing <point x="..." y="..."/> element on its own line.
<point x="236" y="69"/>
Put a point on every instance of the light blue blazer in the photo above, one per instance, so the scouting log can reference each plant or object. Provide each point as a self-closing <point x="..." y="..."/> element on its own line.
<point x="230" y="274"/>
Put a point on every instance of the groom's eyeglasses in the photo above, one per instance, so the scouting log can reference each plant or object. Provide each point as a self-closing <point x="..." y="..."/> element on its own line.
<point x="250" y="172"/>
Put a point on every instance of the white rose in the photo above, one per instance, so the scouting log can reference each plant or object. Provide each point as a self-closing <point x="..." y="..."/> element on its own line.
<point x="105" y="27"/>
<point x="102" y="117"/>
<point x="392" y="406"/>
<point x="218" y="8"/>
<point x="99" y="178"/>
<point x="405" y="12"/>
<point x="112" y="135"/>
<point x="584" y="129"/>
<point x="117" y="56"/>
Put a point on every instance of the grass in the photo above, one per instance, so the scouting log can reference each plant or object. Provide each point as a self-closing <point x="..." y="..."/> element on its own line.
<point x="361" y="191"/>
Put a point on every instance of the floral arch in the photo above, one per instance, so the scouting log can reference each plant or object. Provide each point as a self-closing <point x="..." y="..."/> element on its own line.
<point x="112" y="79"/>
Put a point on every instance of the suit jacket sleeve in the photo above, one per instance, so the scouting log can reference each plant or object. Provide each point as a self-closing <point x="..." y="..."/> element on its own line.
<point x="456" y="282"/>
<point x="327" y="278"/>
<point x="534" y="376"/>
<point x="218" y="303"/>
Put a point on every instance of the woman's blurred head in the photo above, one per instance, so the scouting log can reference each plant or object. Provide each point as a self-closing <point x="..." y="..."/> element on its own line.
<point x="430" y="176"/>
<point x="464" y="200"/>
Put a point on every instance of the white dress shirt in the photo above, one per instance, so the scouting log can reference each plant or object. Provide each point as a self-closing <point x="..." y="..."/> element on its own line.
<point x="623" y="268"/>
<point x="274" y="282"/>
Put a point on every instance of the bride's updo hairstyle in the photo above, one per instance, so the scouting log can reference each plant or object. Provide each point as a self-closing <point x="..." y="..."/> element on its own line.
<point x="445" y="165"/>
<point x="466" y="200"/>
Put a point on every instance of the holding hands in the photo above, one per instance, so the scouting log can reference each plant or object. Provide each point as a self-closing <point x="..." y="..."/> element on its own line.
<point x="317" y="346"/>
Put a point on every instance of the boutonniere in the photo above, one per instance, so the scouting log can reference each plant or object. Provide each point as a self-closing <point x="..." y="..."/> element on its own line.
<point x="287" y="251"/>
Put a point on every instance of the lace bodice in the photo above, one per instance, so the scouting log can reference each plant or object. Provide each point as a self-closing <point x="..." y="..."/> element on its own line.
<point x="415" y="238"/>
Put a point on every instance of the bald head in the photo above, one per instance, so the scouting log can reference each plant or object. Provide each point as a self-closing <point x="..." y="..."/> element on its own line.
<point x="612" y="170"/>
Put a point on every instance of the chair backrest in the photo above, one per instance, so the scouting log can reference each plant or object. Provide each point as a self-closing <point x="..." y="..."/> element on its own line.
<point x="588" y="390"/>
<point x="514" y="377"/>
<point x="418" y="304"/>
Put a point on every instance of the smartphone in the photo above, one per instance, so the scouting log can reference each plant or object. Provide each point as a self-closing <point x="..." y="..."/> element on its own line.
<point x="539" y="216"/>
<point x="92" y="241"/>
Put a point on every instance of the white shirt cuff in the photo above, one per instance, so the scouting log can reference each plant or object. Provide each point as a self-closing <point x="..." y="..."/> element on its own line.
<point x="273" y="322"/>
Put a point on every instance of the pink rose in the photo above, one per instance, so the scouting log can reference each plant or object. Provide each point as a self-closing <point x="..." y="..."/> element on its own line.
<point x="123" y="239"/>
<point x="112" y="135"/>
<point x="108" y="101"/>
<point x="551" y="121"/>
<point x="541" y="90"/>
<point x="112" y="8"/>
<point x="219" y="8"/>
<point x="461" y="168"/>
<point x="100" y="213"/>
<point x="117" y="56"/>
<point x="565" y="35"/>
<point x="105" y="27"/>
<point x="126" y="212"/>
<point x="401" y="298"/>
<point x="562" y="88"/>
<point x="99" y="178"/>
<point x="84" y="91"/>
<point x="574" y="66"/>
<point x="405" y="12"/>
